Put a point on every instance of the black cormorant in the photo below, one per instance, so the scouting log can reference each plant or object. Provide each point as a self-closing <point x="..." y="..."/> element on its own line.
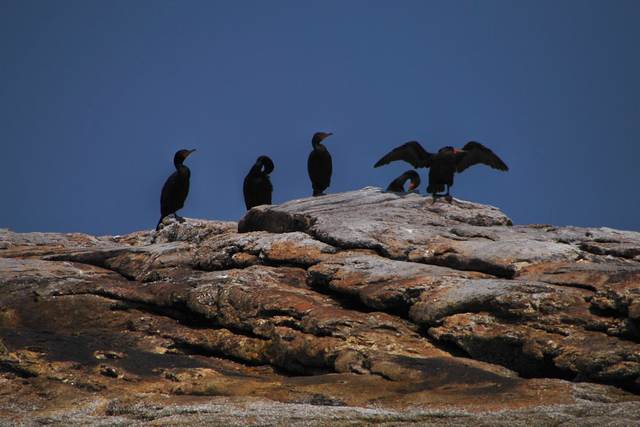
<point x="443" y="164"/>
<point x="397" y="185"/>
<point x="319" y="164"/>
<point x="257" y="186"/>
<point x="175" y="188"/>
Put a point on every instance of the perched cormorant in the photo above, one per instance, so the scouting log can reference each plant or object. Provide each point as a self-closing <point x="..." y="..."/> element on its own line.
<point x="257" y="186"/>
<point x="175" y="188"/>
<point x="443" y="164"/>
<point x="319" y="164"/>
<point x="397" y="185"/>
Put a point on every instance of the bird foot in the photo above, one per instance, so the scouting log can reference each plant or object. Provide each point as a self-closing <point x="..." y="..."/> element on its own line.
<point x="180" y="219"/>
<point x="447" y="197"/>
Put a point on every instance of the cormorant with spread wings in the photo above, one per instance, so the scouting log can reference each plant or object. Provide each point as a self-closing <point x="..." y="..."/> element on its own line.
<point x="443" y="164"/>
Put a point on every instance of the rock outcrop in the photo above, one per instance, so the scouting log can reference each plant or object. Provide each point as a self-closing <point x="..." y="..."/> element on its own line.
<point x="363" y="306"/>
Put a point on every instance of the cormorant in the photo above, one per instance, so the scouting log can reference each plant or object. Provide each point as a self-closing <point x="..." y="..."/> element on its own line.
<point x="443" y="164"/>
<point x="257" y="186"/>
<point x="175" y="188"/>
<point x="319" y="164"/>
<point x="397" y="185"/>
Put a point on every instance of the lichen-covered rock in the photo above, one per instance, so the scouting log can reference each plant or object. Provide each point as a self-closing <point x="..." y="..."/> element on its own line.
<point x="359" y="307"/>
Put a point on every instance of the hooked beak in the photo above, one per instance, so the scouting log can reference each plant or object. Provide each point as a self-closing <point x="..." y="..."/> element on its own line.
<point x="189" y="153"/>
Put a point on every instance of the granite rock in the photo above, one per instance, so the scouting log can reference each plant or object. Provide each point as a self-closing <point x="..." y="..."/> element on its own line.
<point x="358" y="307"/>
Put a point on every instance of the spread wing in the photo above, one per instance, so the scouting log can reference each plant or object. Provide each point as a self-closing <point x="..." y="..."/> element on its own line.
<point x="474" y="153"/>
<point x="411" y="152"/>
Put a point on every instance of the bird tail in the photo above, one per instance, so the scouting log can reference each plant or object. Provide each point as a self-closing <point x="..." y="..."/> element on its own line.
<point x="159" y="222"/>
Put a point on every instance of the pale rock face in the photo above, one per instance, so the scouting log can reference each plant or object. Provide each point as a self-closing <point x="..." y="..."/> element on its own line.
<point x="357" y="307"/>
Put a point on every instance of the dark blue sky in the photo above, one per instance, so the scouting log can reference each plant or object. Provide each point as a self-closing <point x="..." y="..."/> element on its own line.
<point x="96" y="96"/>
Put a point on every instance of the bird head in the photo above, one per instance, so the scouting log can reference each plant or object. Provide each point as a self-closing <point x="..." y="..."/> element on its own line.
<point x="415" y="179"/>
<point x="447" y="149"/>
<point x="318" y="137"/>
<point x="181" y="155"/>
<point x="266" y="164"/>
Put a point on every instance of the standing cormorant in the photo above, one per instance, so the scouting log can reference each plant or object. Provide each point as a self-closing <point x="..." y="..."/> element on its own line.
<point x="319" y="164"/>
<point x="397" y="185"/>
<point x="257" y="186"/>
<point x="175" y="188"/>
<point x="443" y="164"/>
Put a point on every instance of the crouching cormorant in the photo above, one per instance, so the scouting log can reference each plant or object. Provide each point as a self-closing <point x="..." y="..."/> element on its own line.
<point x="319" y="164"/>
<point x="443" y="164"/>
<point x="175" y="188"/>
<point x="257" y="186"/>
<point x="397" y="185"/>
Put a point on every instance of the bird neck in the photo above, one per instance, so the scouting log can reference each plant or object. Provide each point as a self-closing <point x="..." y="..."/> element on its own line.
<point x="181" y="167"/>
<point x="317" y="145"/>
<point x="256" y="169"/>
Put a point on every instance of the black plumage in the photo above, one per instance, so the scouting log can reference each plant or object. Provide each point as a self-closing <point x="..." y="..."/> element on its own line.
<point x="445" y="163"/>
<point x="257" y="186"/>
<point x="397" y="185"/>
<point x="319" y="164"/>
<point x="176" y="187"/>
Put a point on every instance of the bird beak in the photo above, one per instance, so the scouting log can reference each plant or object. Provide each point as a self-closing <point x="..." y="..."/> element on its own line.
<point x="191" y="151"/>
<point x="412" y="186"/>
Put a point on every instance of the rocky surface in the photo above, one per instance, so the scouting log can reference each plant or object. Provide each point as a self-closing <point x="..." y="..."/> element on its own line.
<point x="352" y="308"/>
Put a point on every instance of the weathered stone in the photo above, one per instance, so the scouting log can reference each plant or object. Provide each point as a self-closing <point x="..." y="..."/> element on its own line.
<point x="443" y="314"/>
<point x="572" y="353"/>
<point x="460" y="235"/>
